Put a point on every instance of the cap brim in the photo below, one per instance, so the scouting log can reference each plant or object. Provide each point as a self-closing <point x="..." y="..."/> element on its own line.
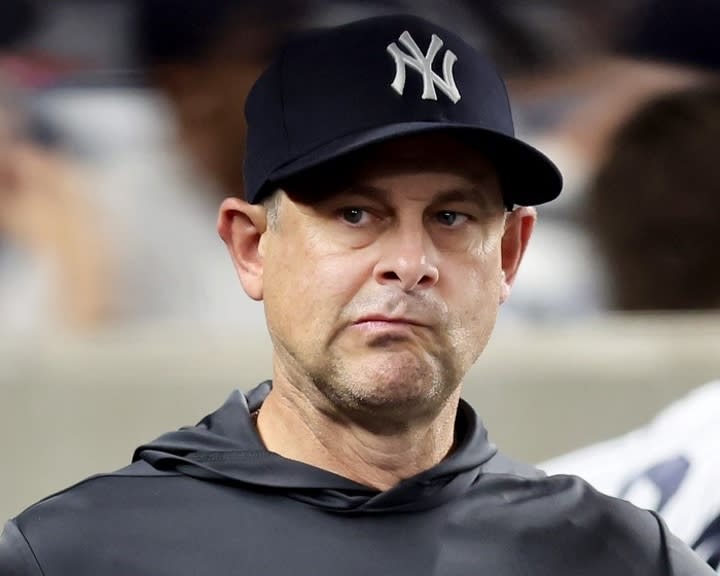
<point x="527" y="176"/>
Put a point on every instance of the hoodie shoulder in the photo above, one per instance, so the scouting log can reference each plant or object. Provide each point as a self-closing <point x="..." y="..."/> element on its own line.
<point x="136" y="469"/>
<point x="626" y="531"/>
<point x="501" y="464"/>
<point x="110" y="485"/>
<point x="87" y="515"/>
<point x="16" y="556"/>
<point x="562" y="523"/>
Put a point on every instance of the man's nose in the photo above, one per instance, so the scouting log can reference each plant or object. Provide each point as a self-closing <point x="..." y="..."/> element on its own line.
<point x="408" y="259"/>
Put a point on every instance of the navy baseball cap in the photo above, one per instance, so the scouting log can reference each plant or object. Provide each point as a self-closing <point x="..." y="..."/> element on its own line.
<point x="333" y="91"/>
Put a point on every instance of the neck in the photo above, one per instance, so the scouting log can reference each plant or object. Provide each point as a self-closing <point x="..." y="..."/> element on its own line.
<point x="291" y="425"/>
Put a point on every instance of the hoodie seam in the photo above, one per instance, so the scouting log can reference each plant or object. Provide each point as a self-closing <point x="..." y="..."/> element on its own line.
<point x="165" y="475"/>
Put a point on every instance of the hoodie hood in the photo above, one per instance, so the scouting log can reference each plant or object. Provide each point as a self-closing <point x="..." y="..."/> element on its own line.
<point x="225" y="447"/>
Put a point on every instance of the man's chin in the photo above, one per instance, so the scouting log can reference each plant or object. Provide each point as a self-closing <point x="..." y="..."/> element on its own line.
<point x="393" y="382"/>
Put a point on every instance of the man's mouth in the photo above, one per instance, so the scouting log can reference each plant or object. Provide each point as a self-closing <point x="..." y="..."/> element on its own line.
<point x="381" y="320"/>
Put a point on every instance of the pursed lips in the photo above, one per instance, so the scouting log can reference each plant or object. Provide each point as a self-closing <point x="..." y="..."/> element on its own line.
<point x="400" y="320"/>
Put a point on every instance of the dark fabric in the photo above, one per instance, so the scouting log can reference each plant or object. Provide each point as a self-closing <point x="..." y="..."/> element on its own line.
<point x="683" y="32"/>
<point x="211" y="500"/>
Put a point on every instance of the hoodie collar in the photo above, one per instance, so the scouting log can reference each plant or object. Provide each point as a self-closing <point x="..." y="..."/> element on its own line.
<point x="225" y="446"/>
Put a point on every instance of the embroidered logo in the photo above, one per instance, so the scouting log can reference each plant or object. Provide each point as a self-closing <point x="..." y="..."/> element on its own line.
<point x="423" y="63"/>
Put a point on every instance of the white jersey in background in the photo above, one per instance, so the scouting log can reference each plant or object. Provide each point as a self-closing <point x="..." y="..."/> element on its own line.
<point x="672" y="465"/>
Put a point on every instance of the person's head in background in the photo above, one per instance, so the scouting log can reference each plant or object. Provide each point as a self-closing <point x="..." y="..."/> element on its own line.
<point x="654" y="206"/>
<point x="206" y="62"/>
<point x="636" y="51"/>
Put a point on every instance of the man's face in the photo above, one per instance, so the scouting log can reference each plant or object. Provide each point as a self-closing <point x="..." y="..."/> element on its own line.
<point x="381" y="288"/>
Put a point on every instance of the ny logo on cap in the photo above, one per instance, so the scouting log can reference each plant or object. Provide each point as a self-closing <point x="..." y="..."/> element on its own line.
<point x="423" y="64"/>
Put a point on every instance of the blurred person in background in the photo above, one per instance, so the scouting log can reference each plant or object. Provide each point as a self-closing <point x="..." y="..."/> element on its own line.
<point x="659" y="251"/>
<point x="205" y="63"/>
<point x="151" y="207"/>
<point x="636" y="51"/>
<point x="52" y="255"/>
<point x="53" y="271"/>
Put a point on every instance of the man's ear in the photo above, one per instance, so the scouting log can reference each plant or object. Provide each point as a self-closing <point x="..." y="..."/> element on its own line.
<point x="519" y="225"/>
<point x="241" y="226"/>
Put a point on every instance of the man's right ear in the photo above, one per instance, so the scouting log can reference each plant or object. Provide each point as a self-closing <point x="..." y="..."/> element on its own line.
<point x="241" y="226"/>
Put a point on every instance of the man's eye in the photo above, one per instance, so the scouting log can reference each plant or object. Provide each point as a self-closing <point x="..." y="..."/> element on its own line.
<point x="451" y="218"/>
<point x="353" y="215"/>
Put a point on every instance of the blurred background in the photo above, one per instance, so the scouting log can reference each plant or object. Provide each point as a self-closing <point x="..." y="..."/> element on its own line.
<point x="121" y="129"/>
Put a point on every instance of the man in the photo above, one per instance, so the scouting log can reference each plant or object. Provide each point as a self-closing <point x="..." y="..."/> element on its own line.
<point x="375" y="230"/>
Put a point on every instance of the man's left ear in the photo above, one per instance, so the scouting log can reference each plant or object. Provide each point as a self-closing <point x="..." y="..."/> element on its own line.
<point x="519" y="225"/>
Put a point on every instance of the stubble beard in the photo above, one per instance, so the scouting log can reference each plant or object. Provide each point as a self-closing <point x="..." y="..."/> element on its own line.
<point x="390" y="393"/>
